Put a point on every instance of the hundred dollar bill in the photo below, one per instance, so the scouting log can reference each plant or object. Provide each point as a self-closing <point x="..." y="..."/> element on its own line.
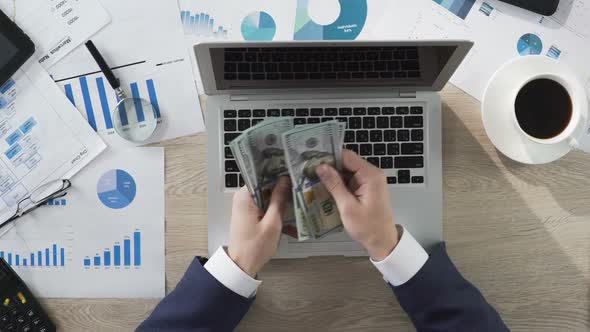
<point x="259" y="155"/>
<point x="307" y="148"/>
<point x="268" y="156"/>
<point x="301" y="222"/>
<point x="241" y="150"/>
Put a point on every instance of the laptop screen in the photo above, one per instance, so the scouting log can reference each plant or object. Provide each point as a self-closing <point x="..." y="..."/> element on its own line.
<point x="296" y="66"/>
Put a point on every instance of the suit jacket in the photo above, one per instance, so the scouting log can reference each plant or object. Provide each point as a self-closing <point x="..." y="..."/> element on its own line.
<point x="437" y="298"/>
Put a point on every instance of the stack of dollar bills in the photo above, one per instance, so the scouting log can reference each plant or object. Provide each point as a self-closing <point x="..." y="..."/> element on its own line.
<point x="275" y="148"/>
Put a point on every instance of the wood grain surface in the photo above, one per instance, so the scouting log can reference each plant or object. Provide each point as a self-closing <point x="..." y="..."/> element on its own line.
<point x="520" y="233"/>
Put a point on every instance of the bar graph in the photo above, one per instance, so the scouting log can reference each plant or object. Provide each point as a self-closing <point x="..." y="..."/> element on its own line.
<point x="201" y="24"/>
<point x="93" y="96"/>
<point x="57" y="202"/>
<point x="53" y="256"/>
<point x="122" y="254"/>
<point x="460" y="8"/>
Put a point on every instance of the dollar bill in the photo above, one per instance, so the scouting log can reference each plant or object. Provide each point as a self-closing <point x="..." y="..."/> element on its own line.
<point x="268" y="156"/>
<point x="301" y="222"/>
<point x="261" y="160"/>
<point x="241" y="150"/>
<point x="306" y="148"/>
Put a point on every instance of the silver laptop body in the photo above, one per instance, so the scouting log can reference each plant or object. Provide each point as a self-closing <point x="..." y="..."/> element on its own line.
<point x="386" y="91"/>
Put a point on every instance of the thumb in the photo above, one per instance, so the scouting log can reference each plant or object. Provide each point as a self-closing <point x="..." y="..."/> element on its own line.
<point x="335" y="185"/>
<point x="279" y="198"/>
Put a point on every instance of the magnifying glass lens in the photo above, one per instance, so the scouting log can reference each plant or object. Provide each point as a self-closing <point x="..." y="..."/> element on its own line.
<point x="134" y="119"/>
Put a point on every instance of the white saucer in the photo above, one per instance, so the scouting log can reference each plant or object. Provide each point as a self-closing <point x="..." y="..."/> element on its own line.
<point x="497" y="108"/>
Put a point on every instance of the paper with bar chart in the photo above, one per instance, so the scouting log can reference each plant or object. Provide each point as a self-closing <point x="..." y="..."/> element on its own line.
<point x="501" y="32"/>
<point x="56" y="27"/>
<point x="150" y="60"/>
<point x="102" y="237"/>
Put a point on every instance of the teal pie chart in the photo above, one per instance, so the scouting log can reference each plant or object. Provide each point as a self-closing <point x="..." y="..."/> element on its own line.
<point x="529" y="44"/>
<point x="116" y="189"/>
<point x="348" y="25"/>
<point x="258" y="26"/>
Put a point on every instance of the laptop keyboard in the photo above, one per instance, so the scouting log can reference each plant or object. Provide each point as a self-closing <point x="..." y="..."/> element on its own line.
<point x="320" y="63"/>
<point x="389" y="137"/>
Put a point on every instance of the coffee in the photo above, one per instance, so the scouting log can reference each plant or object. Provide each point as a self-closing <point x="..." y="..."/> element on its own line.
<point x="543" y="108"/>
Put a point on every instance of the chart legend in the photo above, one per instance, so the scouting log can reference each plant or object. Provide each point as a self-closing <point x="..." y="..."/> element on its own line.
<point x="486" y="9"/>
<point x="554" y="52"/>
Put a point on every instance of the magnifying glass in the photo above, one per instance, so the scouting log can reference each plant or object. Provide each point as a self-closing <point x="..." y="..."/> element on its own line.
<point x="134" y="119"/>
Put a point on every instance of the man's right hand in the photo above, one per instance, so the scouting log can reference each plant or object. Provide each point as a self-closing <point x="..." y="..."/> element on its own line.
<point x="363" y="204"/>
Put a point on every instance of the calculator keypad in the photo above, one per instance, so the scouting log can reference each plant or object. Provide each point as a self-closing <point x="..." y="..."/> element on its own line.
<point x="18" y="313"/>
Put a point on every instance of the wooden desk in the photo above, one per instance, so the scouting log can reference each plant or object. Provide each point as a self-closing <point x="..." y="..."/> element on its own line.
<point x="520" y="233"/>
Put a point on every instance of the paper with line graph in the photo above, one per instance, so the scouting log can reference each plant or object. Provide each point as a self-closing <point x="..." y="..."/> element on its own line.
<point x="148" y="54"/>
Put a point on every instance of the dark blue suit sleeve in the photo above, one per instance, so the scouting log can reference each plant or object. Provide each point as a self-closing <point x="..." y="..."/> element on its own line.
<point x="199" y="303"/>
<point x="438" y="298"/>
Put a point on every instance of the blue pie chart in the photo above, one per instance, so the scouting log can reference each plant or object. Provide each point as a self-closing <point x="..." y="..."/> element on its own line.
<point x="116" y="189"/>
<point x="529" y="44"/>
<point x="258" y="26"/>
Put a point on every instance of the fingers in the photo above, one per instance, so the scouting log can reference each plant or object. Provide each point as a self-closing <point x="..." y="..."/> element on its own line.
<point x="362" y="170"/>
<point x="335" y="185"/>
<point x="278" y="201"/>
<point x="354" y="163"/>
<point x="243" y="203"/>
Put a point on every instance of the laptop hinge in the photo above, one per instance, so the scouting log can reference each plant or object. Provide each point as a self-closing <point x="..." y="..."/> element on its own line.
<point x="238" y="97"/>
<point x="407" y="94"/>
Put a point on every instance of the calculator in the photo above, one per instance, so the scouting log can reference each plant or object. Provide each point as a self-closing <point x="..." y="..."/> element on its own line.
<point x="19" y="310"/>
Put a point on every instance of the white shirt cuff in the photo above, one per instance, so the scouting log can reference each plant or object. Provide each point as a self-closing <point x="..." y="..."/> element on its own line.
<point x="222" y="268"/>
<point x="406" y="259"/>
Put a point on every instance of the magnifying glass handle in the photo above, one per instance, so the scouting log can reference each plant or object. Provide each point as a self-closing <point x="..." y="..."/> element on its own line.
<point x="104" y="67"/>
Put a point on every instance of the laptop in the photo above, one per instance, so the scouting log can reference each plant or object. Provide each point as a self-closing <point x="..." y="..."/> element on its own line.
<point x="386" y="93"/>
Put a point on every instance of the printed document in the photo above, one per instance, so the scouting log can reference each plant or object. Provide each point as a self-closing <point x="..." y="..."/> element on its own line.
<point x="145" y="46"/>
<point x="104" y="239"/>
<point x="42" y="137"/>
<point x="56" y="27"/>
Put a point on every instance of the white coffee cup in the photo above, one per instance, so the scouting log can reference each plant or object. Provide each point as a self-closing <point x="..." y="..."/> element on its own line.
<point x="500" y="119"/>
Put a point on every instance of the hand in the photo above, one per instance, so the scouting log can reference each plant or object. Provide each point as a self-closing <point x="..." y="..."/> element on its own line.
<point x="363" y="204"/>
<point x="253" y="235"/>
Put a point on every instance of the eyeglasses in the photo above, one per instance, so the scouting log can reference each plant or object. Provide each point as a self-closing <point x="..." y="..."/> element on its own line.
<point x="38" y="197"/>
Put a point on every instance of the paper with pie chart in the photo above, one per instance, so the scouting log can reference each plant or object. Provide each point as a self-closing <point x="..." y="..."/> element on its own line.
<point x="501" y="32"/>
<point x="284" y="20"/>
<point x="102" y="237"/>
<point x="273" y="20"/>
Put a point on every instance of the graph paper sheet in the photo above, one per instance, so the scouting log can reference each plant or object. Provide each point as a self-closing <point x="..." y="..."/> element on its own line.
<point x="145" y="45"/>
<point x="56" y="27"/>
<point x="104" y="239"/>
